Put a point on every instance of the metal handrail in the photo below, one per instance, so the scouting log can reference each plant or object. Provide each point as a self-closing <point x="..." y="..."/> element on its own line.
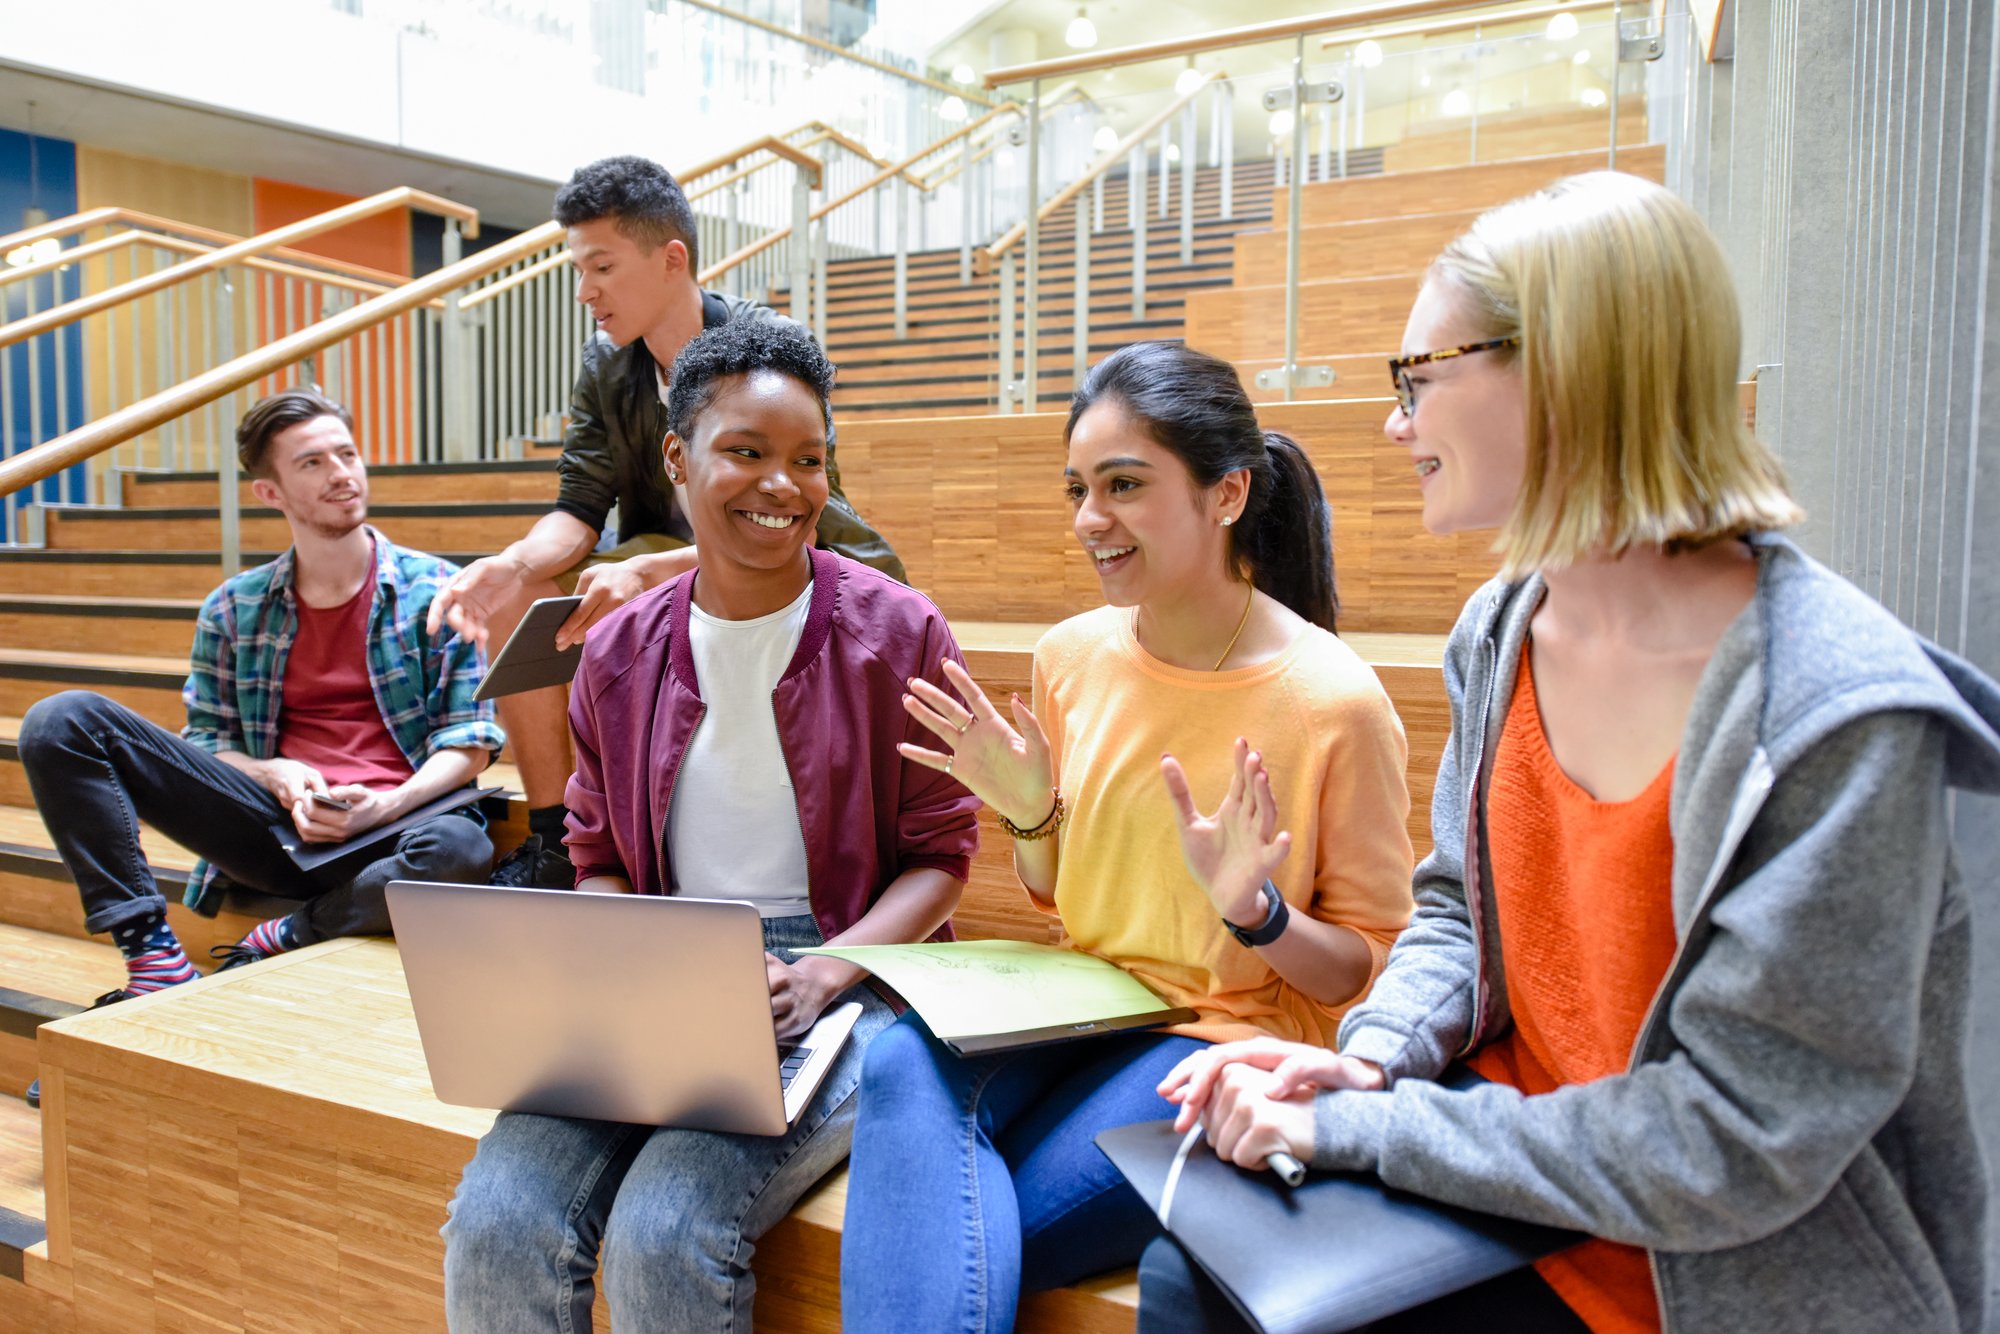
<point x="840" y="51"/>
<point x="46" y="460"/>
<point x="1467" y="23"/>
<point x="1014" y="235"/>
<point x="1225" y="38"/>
<point x="215" y="260"/>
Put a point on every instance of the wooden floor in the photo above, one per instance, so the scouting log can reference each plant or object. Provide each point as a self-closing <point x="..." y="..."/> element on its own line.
<point x="197" y="1165"/>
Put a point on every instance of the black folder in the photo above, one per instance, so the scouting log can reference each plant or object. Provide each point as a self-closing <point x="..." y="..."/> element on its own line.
<point x="315" y="856"/>
<point x="1333" y="1254"/>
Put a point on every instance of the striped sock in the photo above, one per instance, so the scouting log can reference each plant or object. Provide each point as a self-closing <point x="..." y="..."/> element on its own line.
<point x="269" y="937"/>
<point x="153" y="955"/>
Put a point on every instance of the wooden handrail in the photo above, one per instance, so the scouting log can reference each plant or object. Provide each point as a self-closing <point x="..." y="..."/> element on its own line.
<point x="1465" y="24"/>
<point x="840" y="51"/>
<point x="1013" y="235"/>
<point x="194" y="231"/>
<point x="42" y="231"/>
<point x="214" y="260"/>
<point x="46" y="460"/>
<point x="118" y="240"/>
<point x="1225" y="38"/>
<point x="795" y="153"/>
<point x="763" y="243"/>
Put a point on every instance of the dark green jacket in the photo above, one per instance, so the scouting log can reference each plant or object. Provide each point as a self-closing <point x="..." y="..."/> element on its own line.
<point x="612" y="451"/>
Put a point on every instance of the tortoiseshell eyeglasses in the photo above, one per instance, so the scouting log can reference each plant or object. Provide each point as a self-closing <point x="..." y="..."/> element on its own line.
<point x="1399" y="367"/>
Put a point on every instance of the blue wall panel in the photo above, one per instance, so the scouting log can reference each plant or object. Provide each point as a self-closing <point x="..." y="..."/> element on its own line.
<point x="42" y="380"/>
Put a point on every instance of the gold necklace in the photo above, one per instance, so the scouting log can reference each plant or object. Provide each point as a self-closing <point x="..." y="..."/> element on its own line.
<point x="1228" y="648"/>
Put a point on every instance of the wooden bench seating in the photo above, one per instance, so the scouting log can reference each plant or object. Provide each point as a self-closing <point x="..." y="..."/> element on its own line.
<point x="1478" y="186"/>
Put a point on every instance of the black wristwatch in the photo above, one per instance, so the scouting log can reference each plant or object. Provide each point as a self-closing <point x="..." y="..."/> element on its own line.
<point x="1278" y="915"/>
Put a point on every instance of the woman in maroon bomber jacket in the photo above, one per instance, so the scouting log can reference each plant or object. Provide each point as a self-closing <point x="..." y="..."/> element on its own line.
<point x="736" y="734"/>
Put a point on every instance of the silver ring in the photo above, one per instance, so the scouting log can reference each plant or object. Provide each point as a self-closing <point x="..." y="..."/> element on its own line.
<point x="947" y="763"/>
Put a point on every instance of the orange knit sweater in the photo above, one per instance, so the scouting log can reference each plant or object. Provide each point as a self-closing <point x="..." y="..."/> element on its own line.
<point x="1583" y="889"/>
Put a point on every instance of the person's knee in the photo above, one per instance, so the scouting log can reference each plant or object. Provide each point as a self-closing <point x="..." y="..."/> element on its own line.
<point x="499" y="1224"/>
<point x="900" y="1061"/>
<point x="667" y="1246"/>
<point x="450" y="848"/>
<point x="57" y="723"/>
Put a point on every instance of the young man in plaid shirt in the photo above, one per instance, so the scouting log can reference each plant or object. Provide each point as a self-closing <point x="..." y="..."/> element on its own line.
<point x="312" y="677"/>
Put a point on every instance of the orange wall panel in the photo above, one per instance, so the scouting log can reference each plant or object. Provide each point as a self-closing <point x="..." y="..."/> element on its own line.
<point x="381" y="242"/>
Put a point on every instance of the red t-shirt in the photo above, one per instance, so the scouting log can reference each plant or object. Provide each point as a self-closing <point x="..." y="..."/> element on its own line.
<point x="330" y="719"/>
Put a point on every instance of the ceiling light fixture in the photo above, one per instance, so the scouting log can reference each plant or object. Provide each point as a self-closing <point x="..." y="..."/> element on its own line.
<point x="1081" y="34"/>
<point x="1457" y="102"/>
<point x="1188" y="79"/>
<point x="952" y="110"/>
<point x="1281" y="121"/>
<point x="1581" y="57"/>
<point x="1369" y="54"/>
<point x="963" y="74"/>
<point x="1105" y="139"/>
<point x="1562" y="27"/>
<point x="1594" y="97"/>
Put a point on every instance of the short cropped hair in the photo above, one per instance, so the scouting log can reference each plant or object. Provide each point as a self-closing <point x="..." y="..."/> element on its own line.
<point x="639" y="193"/>
<point x="737" y="348"/>
<point x="1630" y="342"/>
<point x="281" y="411"/>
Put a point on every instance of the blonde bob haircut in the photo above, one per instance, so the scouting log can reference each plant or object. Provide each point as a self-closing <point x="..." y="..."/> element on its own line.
<point x="1629" y="346"/>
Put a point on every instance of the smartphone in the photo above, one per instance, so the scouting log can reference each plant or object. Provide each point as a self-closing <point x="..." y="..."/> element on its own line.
<point x="334" y="802"/>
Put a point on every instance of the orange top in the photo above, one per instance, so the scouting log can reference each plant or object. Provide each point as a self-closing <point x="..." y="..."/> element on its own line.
<point x="1584" y="892"/>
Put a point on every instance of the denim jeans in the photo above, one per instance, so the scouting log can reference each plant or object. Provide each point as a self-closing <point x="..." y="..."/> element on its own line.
<point x="971" y="1175"/>
<point x="96" y="769"/>
<point x="1176" y="1297"/>
<point x="674" y="1214"/>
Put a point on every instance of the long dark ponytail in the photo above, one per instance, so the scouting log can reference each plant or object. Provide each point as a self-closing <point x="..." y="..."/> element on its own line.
<point x="1194" y="404"/>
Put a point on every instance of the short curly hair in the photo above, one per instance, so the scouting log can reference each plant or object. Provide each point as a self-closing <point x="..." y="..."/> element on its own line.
<point x="737" y="348"/>
<point x="642" y="195"/>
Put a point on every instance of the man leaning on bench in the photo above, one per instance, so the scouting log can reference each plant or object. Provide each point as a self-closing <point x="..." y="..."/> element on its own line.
<point x="1685" y="973"/>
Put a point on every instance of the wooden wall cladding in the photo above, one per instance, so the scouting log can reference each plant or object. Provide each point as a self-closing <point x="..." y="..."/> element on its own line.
<point x="1532" y="135"/>
<point x="975" y="507"/>
<point x="1341" y="315"/>
<point x="1372" y="248"/>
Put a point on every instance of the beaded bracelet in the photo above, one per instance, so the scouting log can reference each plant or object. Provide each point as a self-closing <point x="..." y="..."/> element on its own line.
<point x="1046" y="829"/>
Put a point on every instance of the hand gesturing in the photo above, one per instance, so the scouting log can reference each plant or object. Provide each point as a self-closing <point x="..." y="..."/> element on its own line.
<point x="1233" y="852"/>
<point x="1006" y="768"/>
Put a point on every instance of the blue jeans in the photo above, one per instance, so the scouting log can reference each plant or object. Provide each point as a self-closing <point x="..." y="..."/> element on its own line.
<point x="674" y="1214"/>
<point x="969" y="1174"/>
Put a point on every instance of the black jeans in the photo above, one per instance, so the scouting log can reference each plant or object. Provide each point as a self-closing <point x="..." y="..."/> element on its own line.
<point x="1176" y="1297"/>
<point x="96" y="769"/>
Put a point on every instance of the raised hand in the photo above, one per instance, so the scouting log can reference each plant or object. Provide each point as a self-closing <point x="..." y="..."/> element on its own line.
<point x="473" y="596"/>
<point x="1233" y="852"/>
<point x="1005" y="766"/>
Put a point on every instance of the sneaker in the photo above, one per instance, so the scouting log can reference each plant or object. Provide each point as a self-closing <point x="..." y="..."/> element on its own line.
<point x="233" y="956"/>
<point x="534" y="865"/>
<point x="34" y="1093"/>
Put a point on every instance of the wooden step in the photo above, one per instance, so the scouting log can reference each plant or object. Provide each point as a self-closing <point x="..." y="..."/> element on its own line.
<point x="46" y="977"/>
<point x="195" y="1097"/>
<point x="1210" y="257"/>
<point x="100" y="625"/>
<point x="1341" y="315"/>
<point x="139" y="574"/>
<point x="1404" y="193"/>
<point x="1109" y="334"/>
<point x="149" y="685"/>
<point x="388" y="484"/>
<point x="1060" y="286"/>
<point x="488" y="526"/>
<point x="1161" y="236"/>
<point x="1370" y="248"/>
<point x="22" y="1229"/>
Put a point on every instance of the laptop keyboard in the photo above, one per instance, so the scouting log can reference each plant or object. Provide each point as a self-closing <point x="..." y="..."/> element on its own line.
<point x="791" y="1060"/>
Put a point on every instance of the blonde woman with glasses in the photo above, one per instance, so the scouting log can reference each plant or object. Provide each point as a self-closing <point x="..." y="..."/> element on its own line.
<point x="1693" y="910"/>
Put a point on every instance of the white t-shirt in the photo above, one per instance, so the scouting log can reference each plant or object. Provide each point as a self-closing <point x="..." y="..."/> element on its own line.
<point x="733" y="828"/>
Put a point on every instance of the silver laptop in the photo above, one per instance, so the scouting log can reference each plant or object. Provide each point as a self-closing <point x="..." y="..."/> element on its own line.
<point x="616" y="1007"/>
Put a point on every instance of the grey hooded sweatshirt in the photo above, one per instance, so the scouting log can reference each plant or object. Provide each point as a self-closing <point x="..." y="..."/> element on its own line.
<point x="1792" y="1140"/>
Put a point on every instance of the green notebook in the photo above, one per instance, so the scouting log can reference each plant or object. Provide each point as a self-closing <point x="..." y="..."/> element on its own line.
<point x="996" y="995"/>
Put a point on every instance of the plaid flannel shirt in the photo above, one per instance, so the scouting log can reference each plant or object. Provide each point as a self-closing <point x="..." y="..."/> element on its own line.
<point x="236" y="679"/>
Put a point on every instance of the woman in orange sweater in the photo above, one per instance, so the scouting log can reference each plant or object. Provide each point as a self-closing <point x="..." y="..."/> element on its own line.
<point x="1692" y="906"/>
<point x="1212" y="539"/>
